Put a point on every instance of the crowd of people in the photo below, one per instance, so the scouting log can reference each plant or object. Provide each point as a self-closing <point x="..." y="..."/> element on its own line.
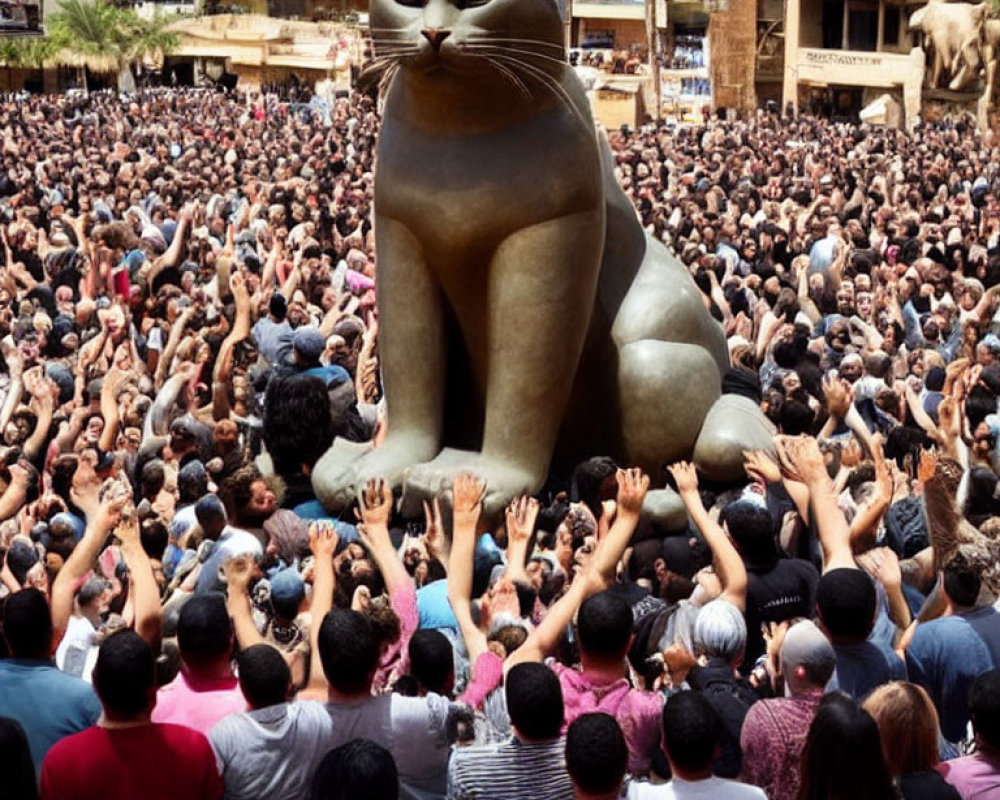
<point x="188" y="321"/>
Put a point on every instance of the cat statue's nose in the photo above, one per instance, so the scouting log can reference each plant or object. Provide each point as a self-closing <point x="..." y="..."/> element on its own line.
<point x="435" y="36"/>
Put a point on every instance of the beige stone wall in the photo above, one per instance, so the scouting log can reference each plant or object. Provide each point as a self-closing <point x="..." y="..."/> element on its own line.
<point x="733" y="45"/>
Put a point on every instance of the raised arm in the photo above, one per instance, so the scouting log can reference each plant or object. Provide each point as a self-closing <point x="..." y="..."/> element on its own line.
<point x="41" y="390"/>
<point x="12" y="500"/>
<point x="632" y="488"/>
<point x="802" y="460"/>
<point x="224" y="363"/>
<point x="728" y="564"/>
<point x="467" y="492"/>
<point x="239" y="572"/>
<point x="101" y="520"/>
<point x="520" y="522"/>
<point x="864" y="526"/>
<point x="172" y="254"/>
<point x="323" y="540"/>
<point x="374" y="508"/>
<point x="145" y="593"/>
<point x="173" y="341"/>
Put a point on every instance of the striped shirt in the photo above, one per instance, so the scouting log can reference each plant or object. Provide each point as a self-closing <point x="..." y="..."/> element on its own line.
<point x="510" y="770"/>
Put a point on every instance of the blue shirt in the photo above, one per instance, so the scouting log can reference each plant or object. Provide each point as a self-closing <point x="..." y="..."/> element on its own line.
<point x="433" y="606"/>
<point x="945" y="657"/>
<point x="863" y="667"/>
<point x="49" y="704"/>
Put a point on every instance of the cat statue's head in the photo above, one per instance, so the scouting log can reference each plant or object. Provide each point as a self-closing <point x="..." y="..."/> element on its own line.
<point x="517" y="41"/>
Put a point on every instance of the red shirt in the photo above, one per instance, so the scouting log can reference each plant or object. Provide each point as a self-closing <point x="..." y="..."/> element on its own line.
<point x="154" y="762"/>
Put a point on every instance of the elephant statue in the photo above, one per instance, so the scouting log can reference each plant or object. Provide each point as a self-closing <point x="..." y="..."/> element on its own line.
<point x="954" y="33"/>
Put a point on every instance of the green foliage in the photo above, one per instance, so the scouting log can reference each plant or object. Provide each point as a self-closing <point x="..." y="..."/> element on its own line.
<point x="99" y="30"/>
<point x="28" y="52"/>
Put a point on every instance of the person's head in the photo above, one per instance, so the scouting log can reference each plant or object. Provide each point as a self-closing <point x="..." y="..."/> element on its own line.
<point x="278" y="306"/>
<point x="192" y="482"/>
<point x="907" y="725"/>
<point x="27" y="624"/>
<point x="247" y="497"/>
<point x="846" y="601"/>
<point x="596" y="756"/>
<point x="752" y="528"/>
<point x="359" y="768"/>
<point x="287" y="593"/>
<point x="307" y="346"/>
<point x="534" y="701"/>
<point x="265" y="678"/>
<point x="984" y="710"/>
<point x="432" y="661"/>
<point x="807" y="659"/>
<point x="204" y="632"/>
<point x="604" y="627"/>
<point x="298" y="428"/>
<point x="843" y="754"/>
<point x="720" y="631"/>
<point x="691" y="731"/>
<point x="125" y="677"/>
<point x="961" y="582"/>
<point x="18" y="780"/>
<point x="349" y="652"/>
<point x="211" y="516"/>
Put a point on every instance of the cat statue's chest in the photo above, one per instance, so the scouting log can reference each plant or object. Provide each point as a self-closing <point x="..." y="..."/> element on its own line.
<point x="458" y="184"/>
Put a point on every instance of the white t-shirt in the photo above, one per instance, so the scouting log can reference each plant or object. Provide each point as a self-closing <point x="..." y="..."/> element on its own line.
<point x="272" y="752"/>
<point x="77" y="652"/>
<point x="713" y="788"/>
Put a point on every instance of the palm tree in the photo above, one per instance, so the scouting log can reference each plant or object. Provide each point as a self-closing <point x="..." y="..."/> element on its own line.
<point x="27" y="52"/>
<point x="99" y="36"/>
<point x="138" y="39"/>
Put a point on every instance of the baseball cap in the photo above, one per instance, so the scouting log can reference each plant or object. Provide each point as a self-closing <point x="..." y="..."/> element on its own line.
<point x="287" y="586"/>
<point x="308" y="343"/>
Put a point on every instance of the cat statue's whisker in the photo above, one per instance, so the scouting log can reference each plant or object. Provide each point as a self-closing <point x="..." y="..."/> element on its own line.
<point x="506" y="40"/>
<point x="472" y="46"/>
<point x="510" y="75"/>
<point x="546" y="80"/>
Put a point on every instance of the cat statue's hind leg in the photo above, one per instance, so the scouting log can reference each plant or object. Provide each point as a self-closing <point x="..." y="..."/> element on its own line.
<point x="672" y="356"/>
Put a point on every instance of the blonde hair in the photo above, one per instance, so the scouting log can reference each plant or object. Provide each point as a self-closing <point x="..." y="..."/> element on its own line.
<point x="907" y="725"/>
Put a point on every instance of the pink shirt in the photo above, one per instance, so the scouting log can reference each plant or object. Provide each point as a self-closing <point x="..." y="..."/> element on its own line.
<point x="197" y="704"/>
<point x="639" y="713"/>
<point x="774" y="734"/>
<point x="395" y="660"/>
<point x="487" y="673"/>
<point x="975" y="777"/>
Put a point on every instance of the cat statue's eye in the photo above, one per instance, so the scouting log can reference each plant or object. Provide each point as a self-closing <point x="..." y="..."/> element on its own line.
<point x="461" y="5"/>
<point x="412" y="3"/>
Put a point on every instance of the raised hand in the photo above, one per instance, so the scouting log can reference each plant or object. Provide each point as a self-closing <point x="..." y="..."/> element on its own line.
<point x="520" y="519"/>
<point x="839" y="396"/>
<point x="761" y="467"/>
<point x="468" y="491"/>
<point x="632" y="488"/>
<point x="375" y="502"/>
<point x="883" y="564"/>
<point x="323" y="540"/>
<point x="239" y="572"/>
<point x="111" y="508"/>
<point x="685" y="476"/>
<point x="927" y="466"/>
<point x="434" y="537"/>
<point x="800" y="458"/>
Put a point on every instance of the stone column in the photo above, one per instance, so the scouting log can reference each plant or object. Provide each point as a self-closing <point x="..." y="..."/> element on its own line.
<point x="790" y="81"/>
